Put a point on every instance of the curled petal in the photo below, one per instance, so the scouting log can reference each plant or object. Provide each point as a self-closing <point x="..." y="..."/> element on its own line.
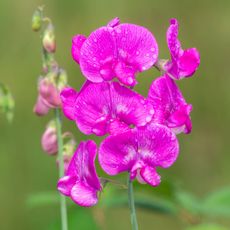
<point x="68" y="98"/>
<point x="170" y="107"/>
<point x="77" y="43"/>
<point x="65" y="185"/>
<point x="184" y="62"/>
<point x="84" y="195"/>
<point x="97" y="55"/>
<point x="150" y="176"/>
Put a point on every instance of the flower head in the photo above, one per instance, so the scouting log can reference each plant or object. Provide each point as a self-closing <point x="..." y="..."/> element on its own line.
<point x="81" y="182"/>
<point x="115" y="50"/>
<point x="140" y="152"/>
<point x="170" y="107"/>
<point x="183" y="62"/>
<point x="106" y="107"/>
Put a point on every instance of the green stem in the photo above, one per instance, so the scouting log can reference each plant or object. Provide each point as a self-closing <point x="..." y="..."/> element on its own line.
<point x="132" y="205"/>
<point x="61" y="169"/>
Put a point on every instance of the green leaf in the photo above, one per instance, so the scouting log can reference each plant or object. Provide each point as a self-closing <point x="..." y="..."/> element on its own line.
<point x="218" y="203"/>
<point x="6" y="102"/>
<point x="206" y="227"/>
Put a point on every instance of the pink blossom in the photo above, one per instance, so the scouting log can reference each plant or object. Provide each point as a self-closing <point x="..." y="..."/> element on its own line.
<point x="139" y="151"/>
<point x="183" y="62"/>
<point x="106" y="107"/>
<point x="49" y="140"/>
<point x="81" y="182"/>
<point x="170" y="107"/>
<point x="40" y="108"/>
<point x="115" y="50"/>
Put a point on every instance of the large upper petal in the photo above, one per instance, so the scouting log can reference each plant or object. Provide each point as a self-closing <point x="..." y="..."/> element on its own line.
<point x="169" y="104"/>
<point x="97" y="55"/>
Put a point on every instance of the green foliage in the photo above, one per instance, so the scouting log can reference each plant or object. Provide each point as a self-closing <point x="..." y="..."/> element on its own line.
<point x="206" y="227"/>
<point x="6" y="102"/>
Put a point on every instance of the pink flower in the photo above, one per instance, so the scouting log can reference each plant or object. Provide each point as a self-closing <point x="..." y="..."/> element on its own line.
<point x="115" y="50"/>
<point x="139" y="151"/>
<point x="170" y="107"/>
<point x="183" y="62"/>
<point x="40" y="107"/>
<point x="49" y="140"/>
<point x="106" y="107"/>
<point x="81" y="182"/>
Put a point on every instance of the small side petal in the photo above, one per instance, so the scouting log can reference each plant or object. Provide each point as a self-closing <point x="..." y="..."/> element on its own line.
<point x="150" y="176"/>
<point x="65" y="185"/>
<point x="68" y="98"/>
<point x="77" y="43"/>
<point x="84" y="195"/>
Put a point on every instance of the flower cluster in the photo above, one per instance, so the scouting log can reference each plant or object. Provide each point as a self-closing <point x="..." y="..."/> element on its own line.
<point x="140" y="132"/>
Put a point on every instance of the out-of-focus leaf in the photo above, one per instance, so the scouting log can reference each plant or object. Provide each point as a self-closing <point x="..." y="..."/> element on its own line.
<point x="6" y="102"/>
<point x="206" y="227"/>
<point x="78" y="218"/>
<point x="42" y="199"/>
<point x="218" y="203"/>
<point x="189" y="202"/>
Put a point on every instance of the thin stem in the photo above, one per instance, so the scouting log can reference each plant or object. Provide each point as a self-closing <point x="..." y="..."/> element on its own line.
<point x="61" y="169"/>
<point x="132" y="205"/>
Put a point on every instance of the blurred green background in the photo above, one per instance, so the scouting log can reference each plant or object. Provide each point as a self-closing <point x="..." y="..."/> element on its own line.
<point x="203" y="165"/>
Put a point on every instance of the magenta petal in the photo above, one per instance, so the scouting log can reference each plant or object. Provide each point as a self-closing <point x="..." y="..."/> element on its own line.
<point x="170" y="107"/>
<point x="118" y="153"/>
<point x="114" y="22"/>
<point x="84" y="195"/>
<point x="68" y="98"/>
<point x="97" y="55"/>
<point x="77" y="43"/>
<point x="65" y="185"/>
<point x="150" y="176"/>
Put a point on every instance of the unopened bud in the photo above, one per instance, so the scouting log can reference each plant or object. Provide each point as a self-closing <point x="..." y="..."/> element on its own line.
<point x="49" y="139"/>
<point x="40" y="107"/>
<point x="37" y="20"/>
<point x="48" y="41"/>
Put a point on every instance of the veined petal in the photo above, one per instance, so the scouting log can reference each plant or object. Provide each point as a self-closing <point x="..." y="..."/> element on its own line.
<point x="68" y="98"/>
<point x="84" y="195"/>
<point x="77" y="43"/>
<point x="170" y="107"/>
<point x="150" y="176"/>
<point x="97" y="55"/>
<point x="65" y="184"/>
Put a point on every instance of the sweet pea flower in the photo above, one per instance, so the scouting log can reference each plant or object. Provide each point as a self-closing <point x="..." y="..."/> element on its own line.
<point x="139" y="151"/>
<point x="106" y="107"/>
<point x="183" y="63"/>
<point x="115" y="50"/>
<point x="81" y="182"/>
<point x="169" y="105"/>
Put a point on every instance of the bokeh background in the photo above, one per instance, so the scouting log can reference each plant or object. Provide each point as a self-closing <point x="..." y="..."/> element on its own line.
<point x="203" y="165"/>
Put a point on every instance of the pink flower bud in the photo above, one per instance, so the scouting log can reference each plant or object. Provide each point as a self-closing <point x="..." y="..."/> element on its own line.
<point x="48" y="41"/>
<point x="49" y="93"/>
<point x="40" y="107"/>
<point x="49" y="140"/>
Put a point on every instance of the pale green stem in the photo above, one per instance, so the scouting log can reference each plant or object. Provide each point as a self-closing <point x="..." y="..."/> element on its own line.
<point x="132" y="205"/>
<point x="61" y="169"/>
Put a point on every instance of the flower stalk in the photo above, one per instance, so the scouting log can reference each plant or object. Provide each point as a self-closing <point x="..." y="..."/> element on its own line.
<point x="132" y="205"/>
<point x="61" y="168"/>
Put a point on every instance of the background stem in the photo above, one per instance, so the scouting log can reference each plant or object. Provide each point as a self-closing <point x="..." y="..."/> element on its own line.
<point x="132" y="205"/>
<point x="61" y="168"/>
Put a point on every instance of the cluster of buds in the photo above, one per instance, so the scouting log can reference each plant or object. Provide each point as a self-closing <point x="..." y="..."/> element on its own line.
<point x="51" y="82"/>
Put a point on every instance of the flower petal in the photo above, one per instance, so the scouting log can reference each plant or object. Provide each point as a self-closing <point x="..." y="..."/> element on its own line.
<point x="170" y="107"/>
<point x="97" y="55"/>
<point x="150" y="176"/>
<point x="40" y="107"/>
<point x="68" y="98"/>
<point x="65" y="184"/>
<point x="77" y="43"/>
<point x="84" y="195"/>
<point x="118" y="153"/>
<point x="137" y="51"/>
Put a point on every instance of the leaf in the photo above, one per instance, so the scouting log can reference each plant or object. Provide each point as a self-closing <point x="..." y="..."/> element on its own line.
<point x="218" y="203"/>
<point x="206" y="227"/>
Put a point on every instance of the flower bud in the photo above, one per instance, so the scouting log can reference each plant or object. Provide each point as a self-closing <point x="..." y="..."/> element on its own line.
<point x="40" y="107"/>
<point x="37" y="20"/>
<point x="49" y="93"/>
<point x="48" y="41"/>
<point x="49" y="139"/>
<point x="62" y="79"/>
